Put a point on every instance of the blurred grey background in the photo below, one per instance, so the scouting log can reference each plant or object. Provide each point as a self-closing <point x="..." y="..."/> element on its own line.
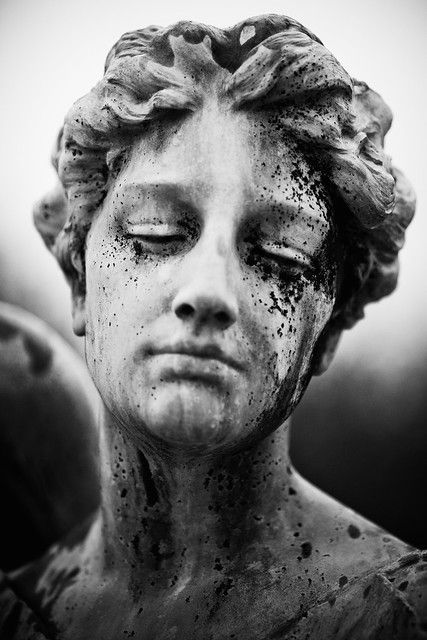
<point x="360" y="433"/>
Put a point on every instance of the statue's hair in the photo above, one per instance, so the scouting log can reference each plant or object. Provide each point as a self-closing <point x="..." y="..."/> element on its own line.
<point x="270" y="62"/>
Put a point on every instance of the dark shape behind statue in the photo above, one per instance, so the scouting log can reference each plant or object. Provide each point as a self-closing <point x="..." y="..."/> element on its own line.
<point x="48" y="468"/>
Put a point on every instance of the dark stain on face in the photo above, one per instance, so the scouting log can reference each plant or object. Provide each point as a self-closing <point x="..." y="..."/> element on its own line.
<point x="291" y="279"/>
<point x="290" y="276"/>
<point x="138" y="249"/>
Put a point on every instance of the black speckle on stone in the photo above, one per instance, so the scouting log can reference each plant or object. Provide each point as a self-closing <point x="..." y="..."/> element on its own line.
<point x="218" y="565"/>
<point x="353" y="531"/>
<point x="306" y="549"/>
<point x="137" y="247"/>
<point x="135" y="543"/>
<point x="342" y="581"/>
<point x="147" y="478"/>
<point x="160" y="554"/>
<point x="402" y="586"/>
<point x="224" y="587"/>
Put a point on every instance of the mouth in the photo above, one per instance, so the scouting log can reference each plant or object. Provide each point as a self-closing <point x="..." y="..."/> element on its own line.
<point x="201" y="356"/>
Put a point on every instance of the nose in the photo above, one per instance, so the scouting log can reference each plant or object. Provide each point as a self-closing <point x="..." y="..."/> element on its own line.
<point x="205" y="310"/>
<point x="206" y="300"/>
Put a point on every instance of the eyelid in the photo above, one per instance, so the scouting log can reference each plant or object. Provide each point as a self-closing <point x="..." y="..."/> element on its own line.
<point x="286" y="253"/>
<point x="152" y="229"/>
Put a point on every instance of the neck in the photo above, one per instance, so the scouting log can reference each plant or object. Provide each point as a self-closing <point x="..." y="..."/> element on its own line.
<point x="174" y="517"/>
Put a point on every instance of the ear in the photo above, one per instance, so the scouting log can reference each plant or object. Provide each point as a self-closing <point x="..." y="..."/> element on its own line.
<point x="324" y="350"/>
<point x="79" y="314"/>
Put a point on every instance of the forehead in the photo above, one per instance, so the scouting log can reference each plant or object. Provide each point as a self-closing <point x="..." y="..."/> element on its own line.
<point x="237" y="155"/>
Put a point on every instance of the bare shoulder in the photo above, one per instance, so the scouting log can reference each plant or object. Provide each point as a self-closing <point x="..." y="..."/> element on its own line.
<point x="353" y="544"/>
<point x="359" y="581"/>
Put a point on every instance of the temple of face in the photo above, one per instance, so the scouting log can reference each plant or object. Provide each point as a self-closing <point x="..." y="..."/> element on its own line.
<point x="225" y="209"/>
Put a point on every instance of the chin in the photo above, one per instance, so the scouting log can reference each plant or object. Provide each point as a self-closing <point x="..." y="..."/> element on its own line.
<point x="191" y="417"/>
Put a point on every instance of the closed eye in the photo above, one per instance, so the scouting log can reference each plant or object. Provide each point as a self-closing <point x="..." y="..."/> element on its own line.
<point x="159" y="238"/>
<point x="161" y="245"/>
<point x="155" y="234"/>
<point x="286" y="257"/>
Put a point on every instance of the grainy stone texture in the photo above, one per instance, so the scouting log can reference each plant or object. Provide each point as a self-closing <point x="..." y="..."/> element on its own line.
<point x="225" y="210"/>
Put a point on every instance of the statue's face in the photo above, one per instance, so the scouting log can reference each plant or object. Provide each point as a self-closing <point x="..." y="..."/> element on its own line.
<point x="210" y="275"/>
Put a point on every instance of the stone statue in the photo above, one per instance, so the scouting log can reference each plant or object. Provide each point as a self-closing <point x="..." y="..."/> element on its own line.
<point x="225" y="210"/>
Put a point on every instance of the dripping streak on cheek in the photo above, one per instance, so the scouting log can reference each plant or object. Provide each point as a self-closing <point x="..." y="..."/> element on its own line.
<point x="326" y="268"/>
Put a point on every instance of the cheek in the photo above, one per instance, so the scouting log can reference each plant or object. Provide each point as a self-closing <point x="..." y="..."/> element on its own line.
<point x="291" y="316"/>
<point x="125" y="294"/>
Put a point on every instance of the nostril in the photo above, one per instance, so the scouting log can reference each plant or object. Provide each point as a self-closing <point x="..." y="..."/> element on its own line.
<point x="184" y="311"/>
<point x="222" y="318"/>
<point x="210" y="309"/>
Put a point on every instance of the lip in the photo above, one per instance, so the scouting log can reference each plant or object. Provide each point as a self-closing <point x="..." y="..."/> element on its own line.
<point x="207" y="351"/>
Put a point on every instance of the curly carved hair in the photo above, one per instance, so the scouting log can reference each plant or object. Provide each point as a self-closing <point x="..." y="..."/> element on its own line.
<point x="269" y="62"/>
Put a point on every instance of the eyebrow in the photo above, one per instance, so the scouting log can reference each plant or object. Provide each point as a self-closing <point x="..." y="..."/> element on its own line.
<point x="274" y="205"/>
<point x="169" y="194"/>
<point x="164" y="186"/>
<point x="180" y="191"/>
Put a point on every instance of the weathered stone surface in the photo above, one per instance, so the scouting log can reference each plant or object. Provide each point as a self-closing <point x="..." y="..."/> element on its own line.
<point x="226" y="210"/>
